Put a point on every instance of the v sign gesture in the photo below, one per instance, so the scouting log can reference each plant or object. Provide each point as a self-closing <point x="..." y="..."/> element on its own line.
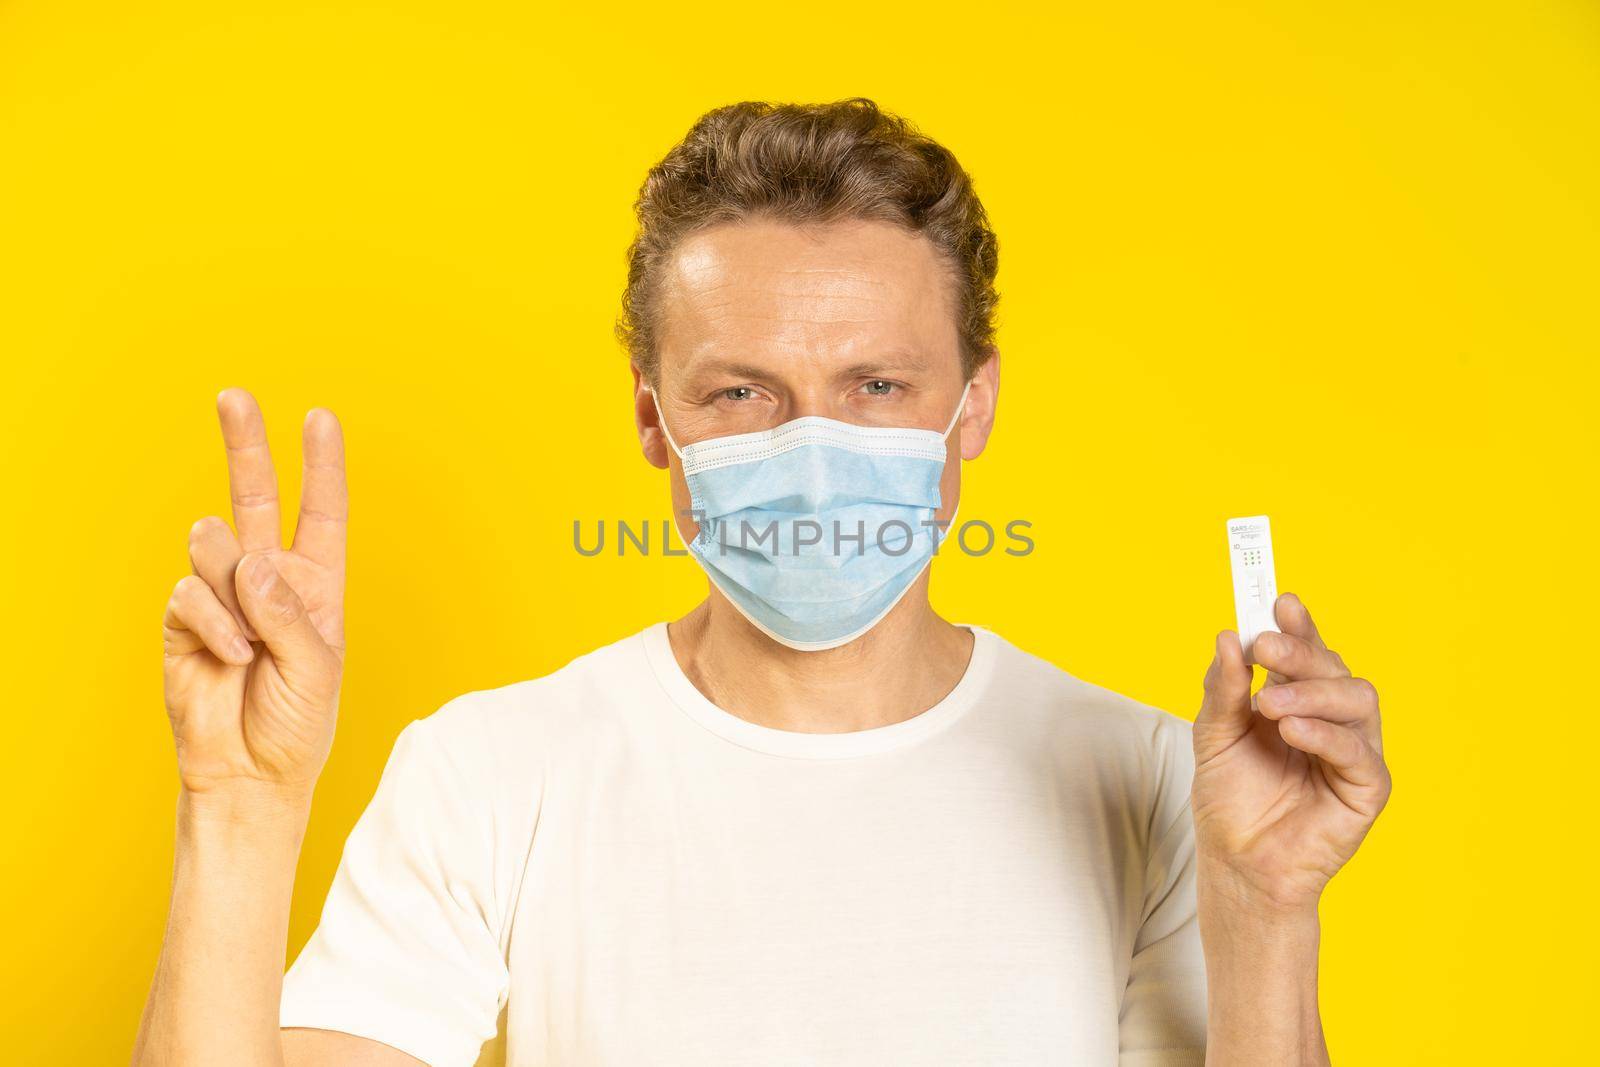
<point x="1286" y="783"/>
<point x="255" y="637"/>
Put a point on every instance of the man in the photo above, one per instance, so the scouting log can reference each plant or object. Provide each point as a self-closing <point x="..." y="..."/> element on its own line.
<point x="810" y="822"/>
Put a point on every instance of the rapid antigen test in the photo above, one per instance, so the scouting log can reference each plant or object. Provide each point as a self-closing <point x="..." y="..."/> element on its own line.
<point x="1255" y="584"/>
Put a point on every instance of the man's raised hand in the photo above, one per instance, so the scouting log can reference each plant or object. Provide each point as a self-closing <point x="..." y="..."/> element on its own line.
<point x="254" y="638"/>
<point x="1289" y="782"/>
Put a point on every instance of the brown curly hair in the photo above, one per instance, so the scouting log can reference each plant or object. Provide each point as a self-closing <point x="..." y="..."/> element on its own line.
<point x="811" y="163"/>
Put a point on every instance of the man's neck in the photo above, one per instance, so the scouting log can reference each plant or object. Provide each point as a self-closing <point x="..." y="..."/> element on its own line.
<point x="904" y="665"/>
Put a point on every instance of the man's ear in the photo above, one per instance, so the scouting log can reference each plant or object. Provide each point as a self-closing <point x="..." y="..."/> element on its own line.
<point x="647" y="421"/>
<point x="977" y="422"/>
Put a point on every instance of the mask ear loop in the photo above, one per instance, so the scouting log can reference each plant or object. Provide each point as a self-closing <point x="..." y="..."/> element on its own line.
<point x="961" y="407"/>
<point x="941" y="535"/>
<point x="661" y="420"/>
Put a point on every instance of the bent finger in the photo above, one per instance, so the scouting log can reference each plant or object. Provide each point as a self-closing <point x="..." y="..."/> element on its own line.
<point x="1358" y="774"/>
<point x="214" y="553"/>
<point x="1290" y="658"/>
<point x="1349" y="702"/>
<point x="196" y="619"/>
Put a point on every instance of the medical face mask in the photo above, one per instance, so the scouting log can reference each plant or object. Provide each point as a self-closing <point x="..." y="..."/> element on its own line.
<point x="815" y="529"/>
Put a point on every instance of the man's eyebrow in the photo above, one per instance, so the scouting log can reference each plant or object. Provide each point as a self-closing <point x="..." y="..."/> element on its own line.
<point x="730" y="368"/>
<point x="889" y="361"/>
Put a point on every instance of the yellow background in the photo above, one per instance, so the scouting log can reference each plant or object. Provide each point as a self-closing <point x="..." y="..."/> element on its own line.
<point x="1332" y="262"/>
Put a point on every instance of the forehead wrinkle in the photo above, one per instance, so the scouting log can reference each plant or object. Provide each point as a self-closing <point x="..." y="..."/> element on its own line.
<point x="728" y="304"/>
<point x="733" y="312"/>
<point x="853" y="274"/>
<point x="728" y="291"/>
<point x="740" y="292"/>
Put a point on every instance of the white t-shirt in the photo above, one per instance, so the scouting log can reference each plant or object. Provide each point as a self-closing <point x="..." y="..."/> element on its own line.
<point x="601" y="867"/>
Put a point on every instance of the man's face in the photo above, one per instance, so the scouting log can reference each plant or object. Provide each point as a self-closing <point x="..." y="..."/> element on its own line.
<point x="762" y="322"/>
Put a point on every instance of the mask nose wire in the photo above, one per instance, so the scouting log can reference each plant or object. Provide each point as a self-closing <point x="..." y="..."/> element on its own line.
<point x="961" y="406"/>
<point x="661" y="420"/>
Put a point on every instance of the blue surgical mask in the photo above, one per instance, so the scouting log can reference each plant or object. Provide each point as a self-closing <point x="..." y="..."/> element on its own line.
<point x="814" y="530"/>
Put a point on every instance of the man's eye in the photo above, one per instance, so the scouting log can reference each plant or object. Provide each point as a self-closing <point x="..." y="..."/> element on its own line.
<point x="879" y="388"/>
<point x="741" y="392"/>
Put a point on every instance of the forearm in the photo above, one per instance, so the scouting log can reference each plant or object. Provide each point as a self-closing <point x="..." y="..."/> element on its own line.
<point x="1261" y="978"/>
<point x="217" y="984"/>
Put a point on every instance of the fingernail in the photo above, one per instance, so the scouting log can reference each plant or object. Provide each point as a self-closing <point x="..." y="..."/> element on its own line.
<point x="260" y="574"/>
<point x="1280" y="697"/>
<point x="241" y="648"/>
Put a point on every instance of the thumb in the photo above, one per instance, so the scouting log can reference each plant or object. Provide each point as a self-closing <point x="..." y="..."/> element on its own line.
<point x="1225" y="711"/>
<point x="278" y="616"/>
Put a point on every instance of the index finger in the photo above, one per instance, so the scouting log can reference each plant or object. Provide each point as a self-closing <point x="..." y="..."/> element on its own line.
<point x="252" y="484"/>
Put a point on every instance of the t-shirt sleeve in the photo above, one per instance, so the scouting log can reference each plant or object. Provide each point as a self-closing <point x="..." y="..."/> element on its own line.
<point x="1163" y="1021"/>
<point x="408" y="949"/>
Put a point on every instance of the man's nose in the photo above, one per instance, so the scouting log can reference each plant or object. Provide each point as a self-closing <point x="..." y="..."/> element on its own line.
<point x="824" y="402"/>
